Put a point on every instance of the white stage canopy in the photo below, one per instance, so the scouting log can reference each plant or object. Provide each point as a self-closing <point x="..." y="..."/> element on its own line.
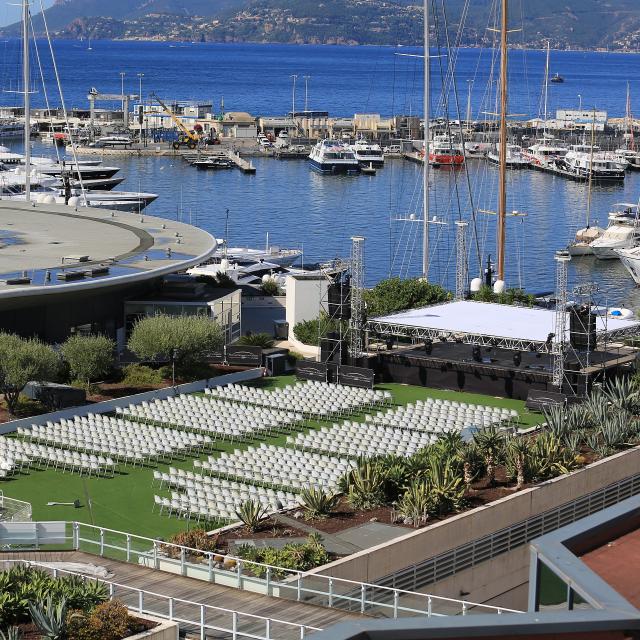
<point x="486" y="323"/>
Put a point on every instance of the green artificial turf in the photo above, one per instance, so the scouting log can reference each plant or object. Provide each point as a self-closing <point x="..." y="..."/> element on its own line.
<point x="125" y="503"/>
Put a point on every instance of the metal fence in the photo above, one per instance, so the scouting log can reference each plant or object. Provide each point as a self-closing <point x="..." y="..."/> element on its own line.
<point x="468" y="555"/>
<point x="193" y="617"/>
<point x="13" y="510"/>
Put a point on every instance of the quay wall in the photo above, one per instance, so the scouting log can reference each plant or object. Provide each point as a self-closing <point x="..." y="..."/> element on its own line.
<point x="503" y="572"/>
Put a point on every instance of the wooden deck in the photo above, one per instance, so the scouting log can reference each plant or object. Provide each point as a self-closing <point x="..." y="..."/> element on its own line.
<point x="201" y="592"/>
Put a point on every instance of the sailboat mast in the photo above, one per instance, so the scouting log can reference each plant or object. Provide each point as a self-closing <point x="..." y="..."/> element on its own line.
<point x="546" y="85"/>
<point x="426" y="169"/>
<point x="631" y="144"/>
<point x="27" y="109"/>
<point x="502" y="196"/>
<point x="593" y="141"/>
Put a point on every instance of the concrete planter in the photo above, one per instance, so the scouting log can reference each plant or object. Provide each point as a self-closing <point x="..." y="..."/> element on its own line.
<point x="166" y="630"/>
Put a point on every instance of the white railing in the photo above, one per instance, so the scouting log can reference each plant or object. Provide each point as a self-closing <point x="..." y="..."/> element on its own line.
<point x="193" y="616"/>
<point x="231" y="571"/>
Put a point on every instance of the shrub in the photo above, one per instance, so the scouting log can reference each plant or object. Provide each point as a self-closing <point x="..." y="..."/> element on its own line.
<point x="317" y="503"/>
<point x="22" y="361"/>
<point x="251" y="513"/>
<point x="415" y="503"/>
<point x="270" y="288"/>
<point x="446" y="487"/>
<point x="396" y="294"/>
<point x="139" y="375"/>
<point x="263" y="340"/>
<point x="194" y="539"/>
<point x="310" y="331"/>
<point x="185" y="339"/>
<point x="89" y="357"/>
<point x="295" y="556"/>
<point x="108" y="621"/>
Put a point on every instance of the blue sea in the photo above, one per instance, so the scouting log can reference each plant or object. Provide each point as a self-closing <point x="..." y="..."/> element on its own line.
<point x="320" y="213"/>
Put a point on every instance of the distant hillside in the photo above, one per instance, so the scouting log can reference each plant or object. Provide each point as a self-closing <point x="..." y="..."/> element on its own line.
<point x="567" y="24"/>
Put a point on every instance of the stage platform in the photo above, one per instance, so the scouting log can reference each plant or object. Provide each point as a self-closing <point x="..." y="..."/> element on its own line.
<point x="451" y="365"/>
<point x="490" y="324"/>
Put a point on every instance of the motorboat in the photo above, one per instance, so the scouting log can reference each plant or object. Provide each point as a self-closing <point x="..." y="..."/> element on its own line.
<point x="77" y="170"/>
<point x="11" y="129"/>
<point x="282" y="140"/>
<point x="113" y="141"/>
<point x="368" y="153"/>
<point x="213" y="163"/>
<point x="630" y="156"/>
<point x="125" y="201"/>
<point x="445" y="151"/>
<point x="623" y="232"/>
<point x="474" y="149"/>
<point x="515" y="159"/>
<point x="586" y="163"/>
<point x="630" y="259"/>
<point x="556" y="79"/>
<point x="272" y="254"/>
<point x="333" y="157"/>
<point x="545" y="152"/>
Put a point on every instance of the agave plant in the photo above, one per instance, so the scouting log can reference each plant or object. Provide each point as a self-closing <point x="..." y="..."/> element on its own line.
<point x="572" y="442"/>
<point x="471" y="459"/>
<point x="622" y="393"/>
<point x="416" y="503"/>
<point x="490" y="443"/>
<point x="251" y="514"/>
<point x="317" y="503"/>
<point x="548" y="458"/>
<point x="615" y="430"/>
<point x="366" y="486"/>
<point x="556" y="418"/>
<point x="50" y="618"/>
<point x="10" y="633"/>
<point x="446" y="488"/>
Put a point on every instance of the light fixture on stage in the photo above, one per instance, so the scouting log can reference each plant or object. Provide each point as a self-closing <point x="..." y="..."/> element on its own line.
<point x="476" y="353"/>
<point x="428" y="346"/>
<point x="549" y="340"/>
<point x="389" y="345"/>
<point x="517" y="358"/>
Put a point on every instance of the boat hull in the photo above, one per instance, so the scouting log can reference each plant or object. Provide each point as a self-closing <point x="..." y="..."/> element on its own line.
<point x="334" y="168"/>
<point x="446" y="159"/>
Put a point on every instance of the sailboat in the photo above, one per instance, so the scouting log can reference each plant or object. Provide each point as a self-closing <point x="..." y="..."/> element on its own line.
<point x="89" y="48"/>
<point x="581" y="246"/>
<point x="629" y="153"/>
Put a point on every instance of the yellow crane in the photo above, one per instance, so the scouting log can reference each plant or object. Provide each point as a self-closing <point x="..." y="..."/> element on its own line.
<point x="186" y="138"/>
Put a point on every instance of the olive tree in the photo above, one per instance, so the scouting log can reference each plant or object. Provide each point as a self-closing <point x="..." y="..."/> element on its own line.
<point x="21" y="361"/>
<point x="89" y="357"/>
<point x="181" y="339"/>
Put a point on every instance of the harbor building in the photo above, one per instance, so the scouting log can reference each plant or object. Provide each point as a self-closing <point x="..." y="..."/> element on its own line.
<point x="65" y="271"/>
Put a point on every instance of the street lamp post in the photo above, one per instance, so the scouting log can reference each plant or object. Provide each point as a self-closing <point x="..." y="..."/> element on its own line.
<point x="140" y="76"/>
<point x="294" y="77"/>
<point x="306" y="92"/>
<point x="122" y="75"/>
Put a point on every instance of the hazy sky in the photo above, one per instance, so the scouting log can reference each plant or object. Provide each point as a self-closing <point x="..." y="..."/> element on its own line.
<point x="10" y="12"/>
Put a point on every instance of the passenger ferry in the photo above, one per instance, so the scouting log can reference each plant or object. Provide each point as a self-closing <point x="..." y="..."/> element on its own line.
<point x="333" y="156"/>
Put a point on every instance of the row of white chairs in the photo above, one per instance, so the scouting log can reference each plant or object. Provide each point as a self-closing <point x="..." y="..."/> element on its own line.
<point x="132" y="444"/>
<point x="228" y="421"/>
<point x="318" y="399"/>
<point x="56" y="458"/>
<point x="280" y="466"/>
<point x="363" y="440"/>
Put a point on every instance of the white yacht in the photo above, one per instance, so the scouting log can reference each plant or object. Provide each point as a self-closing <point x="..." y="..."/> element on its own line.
<point x="368" y="153"/>
<point x="333" y="156"/>
<point x="630" y="156"/>
<point x="282" y="141"/>
<point x="125" y="201"/>
<point x="271" y="253"/>
<point x="515" y="157"/>
<point x="623" y="232"/>
<point x="11" y="129"/>
<point x="545" y="152"/>
<point x="630" y="258"/>
<point x="584" y="163"/>
<point x="581" y="246"/>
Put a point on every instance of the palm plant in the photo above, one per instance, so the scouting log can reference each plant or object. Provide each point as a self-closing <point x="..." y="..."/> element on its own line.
<point x="471" y="459"/>
<point x="518" y="450"/>
<point x="250" y="514"/>
<point x="490" y="443"/>
<point x="50" y="618"/>
<point x="317" y="503"/>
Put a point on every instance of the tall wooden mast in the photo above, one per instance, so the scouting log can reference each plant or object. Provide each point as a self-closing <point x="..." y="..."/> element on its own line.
<point x="502" y="194"/>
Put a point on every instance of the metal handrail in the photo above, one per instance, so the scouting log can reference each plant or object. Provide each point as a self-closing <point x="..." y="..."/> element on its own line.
<point x="171" y="601"/>
<point x="354" y="594"/>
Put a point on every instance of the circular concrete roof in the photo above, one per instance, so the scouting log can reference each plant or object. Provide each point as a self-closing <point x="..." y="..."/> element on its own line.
<point x="53" y="248"/>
